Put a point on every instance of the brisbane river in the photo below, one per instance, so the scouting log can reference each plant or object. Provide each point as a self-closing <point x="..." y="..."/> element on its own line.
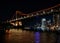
<point x="23" y="36"/>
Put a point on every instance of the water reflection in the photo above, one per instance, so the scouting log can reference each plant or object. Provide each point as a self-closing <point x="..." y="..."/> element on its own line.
<point x="23" y="36"/>
<point x="37" y="37"/>
<point x="19" y="36"/>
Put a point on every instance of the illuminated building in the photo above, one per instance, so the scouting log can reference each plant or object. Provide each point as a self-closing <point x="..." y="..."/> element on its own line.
<point x="43" y="25"/>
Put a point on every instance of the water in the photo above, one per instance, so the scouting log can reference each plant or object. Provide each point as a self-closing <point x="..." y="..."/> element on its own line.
<point x="23" y="36"/>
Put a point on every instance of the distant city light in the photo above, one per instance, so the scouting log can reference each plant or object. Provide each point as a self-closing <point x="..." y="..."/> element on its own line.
<point x="44" y="20"/>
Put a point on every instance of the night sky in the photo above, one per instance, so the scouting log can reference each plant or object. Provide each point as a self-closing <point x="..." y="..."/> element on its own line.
<point x="8" y="8"/>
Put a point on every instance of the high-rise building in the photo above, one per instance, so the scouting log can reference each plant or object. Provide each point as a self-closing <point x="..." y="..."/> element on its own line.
<point x="43" y="25"/>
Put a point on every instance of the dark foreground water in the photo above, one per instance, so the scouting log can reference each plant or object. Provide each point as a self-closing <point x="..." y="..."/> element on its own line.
<point x="23" y="36"/>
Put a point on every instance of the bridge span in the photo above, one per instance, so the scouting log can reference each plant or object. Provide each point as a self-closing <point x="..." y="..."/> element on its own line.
<point x="19" y="17"/>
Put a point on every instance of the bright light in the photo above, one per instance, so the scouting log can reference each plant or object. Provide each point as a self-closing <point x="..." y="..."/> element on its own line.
<point x="20" y="23"/>
<point x="16" y="24"/>
<point x="51" y="10"/>
<point x="43" y="19"/>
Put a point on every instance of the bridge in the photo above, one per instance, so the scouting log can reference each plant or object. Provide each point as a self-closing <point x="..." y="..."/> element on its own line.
<point x="55" y="11"/>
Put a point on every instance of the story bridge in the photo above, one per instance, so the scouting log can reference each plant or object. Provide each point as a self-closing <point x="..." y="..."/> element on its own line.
<point x="19" y="18"/>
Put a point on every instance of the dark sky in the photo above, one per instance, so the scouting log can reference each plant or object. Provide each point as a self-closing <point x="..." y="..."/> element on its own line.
<point x="7" y="8"/>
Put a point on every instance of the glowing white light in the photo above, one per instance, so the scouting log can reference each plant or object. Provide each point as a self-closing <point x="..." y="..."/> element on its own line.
<point x="43" y="19"/>
<point x="20" y="23"/>
<point x="51" y="10"/>
<point x="16" y="18"/>
<point x="43" y="26"/>
<point x="16" y="24"/>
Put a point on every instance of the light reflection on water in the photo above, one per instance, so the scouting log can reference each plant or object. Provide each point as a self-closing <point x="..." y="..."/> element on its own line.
<point x="37" y="37"/>
<point x="23" y="36"/>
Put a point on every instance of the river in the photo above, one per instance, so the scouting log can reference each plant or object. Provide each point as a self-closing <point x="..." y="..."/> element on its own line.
<point x="23" y="36"/>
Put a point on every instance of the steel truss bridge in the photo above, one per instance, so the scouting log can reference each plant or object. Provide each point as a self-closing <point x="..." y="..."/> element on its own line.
<point x="19" y="15"/>
<point x="54" y="9"/>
